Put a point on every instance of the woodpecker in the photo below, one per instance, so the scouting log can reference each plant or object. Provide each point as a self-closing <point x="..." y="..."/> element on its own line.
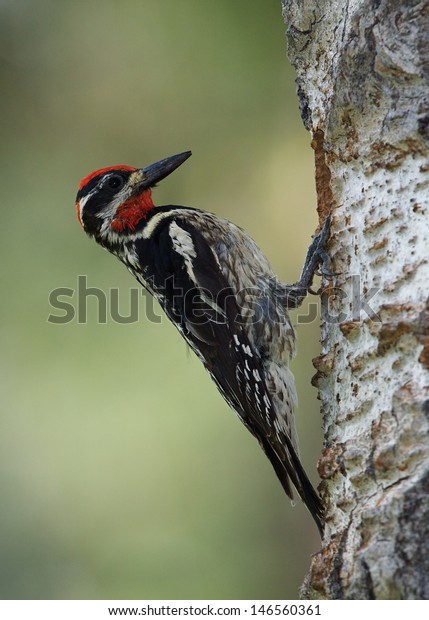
<point x="218" y="289"/>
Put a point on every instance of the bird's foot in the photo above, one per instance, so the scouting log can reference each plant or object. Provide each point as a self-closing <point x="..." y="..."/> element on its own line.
<point x="317" y="262"/>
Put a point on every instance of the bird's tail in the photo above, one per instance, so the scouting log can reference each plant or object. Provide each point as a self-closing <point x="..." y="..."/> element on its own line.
<point x="289" y="469"/>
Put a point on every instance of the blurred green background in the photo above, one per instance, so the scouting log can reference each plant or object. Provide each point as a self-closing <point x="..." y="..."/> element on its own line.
<point x="122" y="472"/>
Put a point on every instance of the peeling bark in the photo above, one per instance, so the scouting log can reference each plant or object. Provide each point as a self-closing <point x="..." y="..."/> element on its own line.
<point x="362" y="74"/>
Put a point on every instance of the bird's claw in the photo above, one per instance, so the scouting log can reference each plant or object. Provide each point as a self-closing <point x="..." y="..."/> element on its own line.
<point x="317" y="262"/>
<point x="319" y="248"/>
<point x="324" y="271"/>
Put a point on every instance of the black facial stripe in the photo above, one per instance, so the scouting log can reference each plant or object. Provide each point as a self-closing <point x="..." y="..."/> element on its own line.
<point x="92" y="184"/>
<point x="87" y="189"/>
<point x="98" y="196"/>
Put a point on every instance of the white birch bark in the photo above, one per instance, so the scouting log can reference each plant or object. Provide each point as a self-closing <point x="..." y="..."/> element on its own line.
<point x="362" y="74"/>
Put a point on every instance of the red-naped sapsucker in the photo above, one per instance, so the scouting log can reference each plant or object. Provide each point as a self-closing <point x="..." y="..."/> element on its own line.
<point x="217" y="287"/>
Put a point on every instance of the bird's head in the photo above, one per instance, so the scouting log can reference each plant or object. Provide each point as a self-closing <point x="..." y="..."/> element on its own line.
<point x="117" y="199"/>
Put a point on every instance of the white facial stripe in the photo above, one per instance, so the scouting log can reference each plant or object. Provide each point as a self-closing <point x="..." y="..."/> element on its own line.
<point x="84" y="200"/>
<point x="110" y="210"/>
<point x="120" y="197"/>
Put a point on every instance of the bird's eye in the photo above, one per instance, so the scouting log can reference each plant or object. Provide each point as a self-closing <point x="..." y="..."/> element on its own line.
<point x="116" y="181"/>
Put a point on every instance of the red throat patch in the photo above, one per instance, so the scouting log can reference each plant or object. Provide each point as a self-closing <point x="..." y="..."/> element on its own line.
<point x="132" y="211"/>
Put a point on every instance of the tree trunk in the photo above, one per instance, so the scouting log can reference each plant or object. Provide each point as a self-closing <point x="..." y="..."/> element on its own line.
<point x="362" y="73"/>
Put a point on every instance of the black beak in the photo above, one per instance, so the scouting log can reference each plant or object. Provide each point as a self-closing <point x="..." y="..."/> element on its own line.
<point x="161" y="169"/>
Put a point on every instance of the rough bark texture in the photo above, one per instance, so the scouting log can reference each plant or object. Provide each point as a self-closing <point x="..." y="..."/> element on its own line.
<point x="362" y="74"/>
